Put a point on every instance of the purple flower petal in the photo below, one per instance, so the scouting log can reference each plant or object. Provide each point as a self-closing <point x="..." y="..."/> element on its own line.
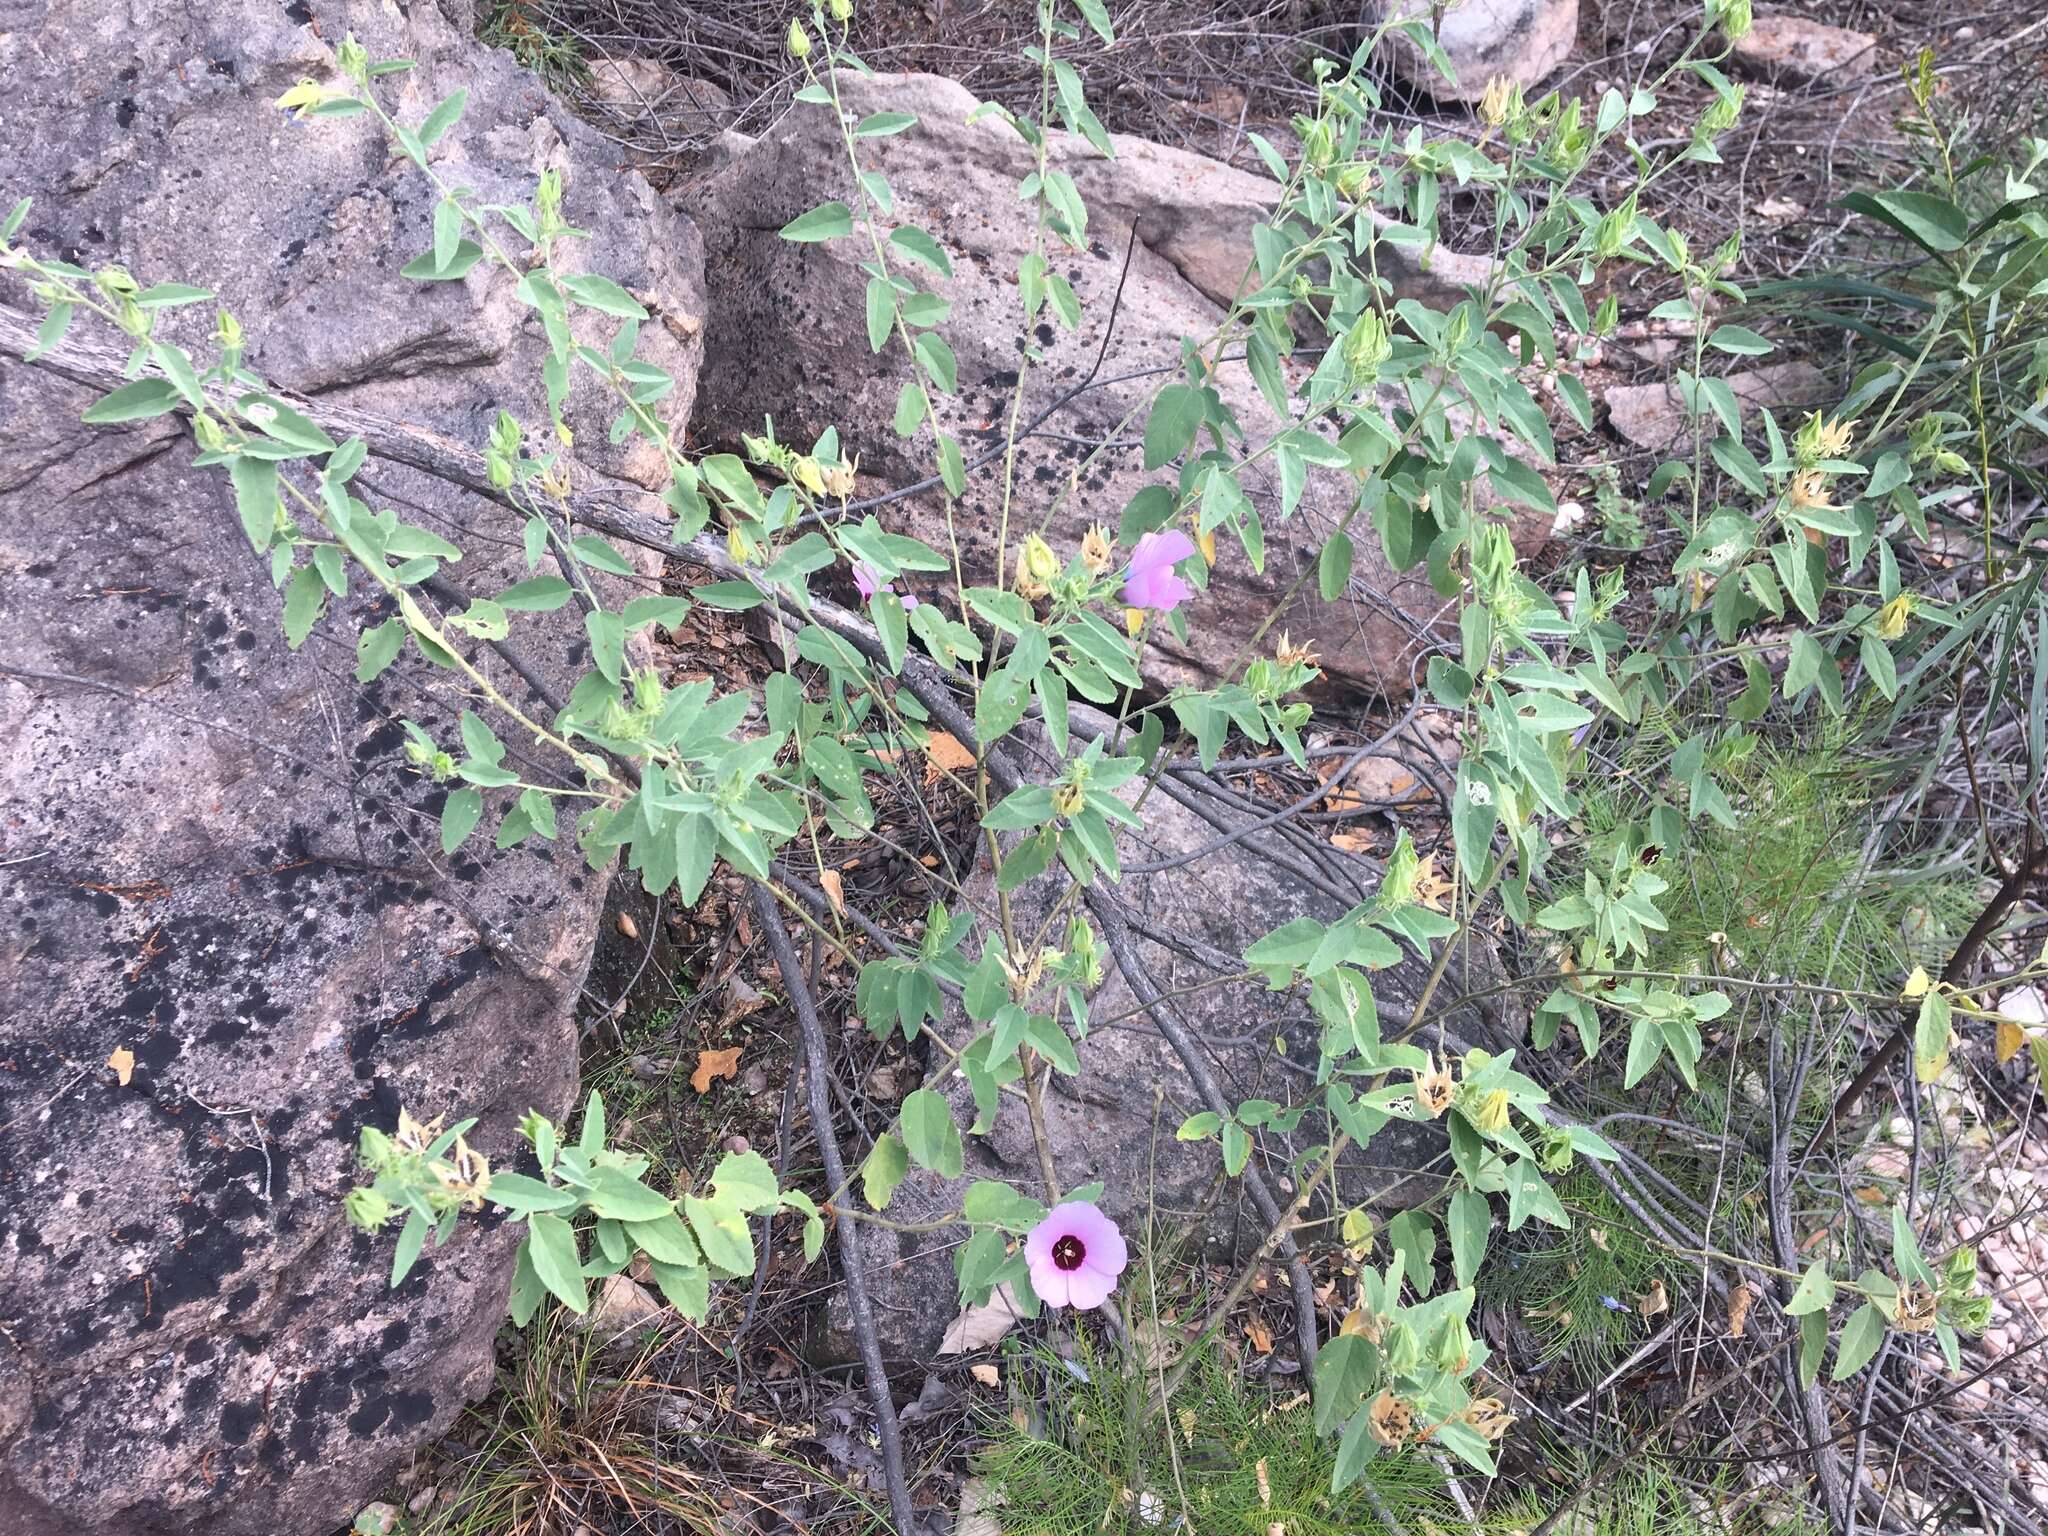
<point x="1151" y="582"/>
<point x="866" y="579"/>
<point x="1075" y="1256"/>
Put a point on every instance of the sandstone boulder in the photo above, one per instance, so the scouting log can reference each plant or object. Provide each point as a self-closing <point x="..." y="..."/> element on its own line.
<point x="228" y="938"/>
<point x="786" y="338"/>
<point x="1653" y="416"/>
<point x="1793" y="50"/>
<point x="1523" y="40"/>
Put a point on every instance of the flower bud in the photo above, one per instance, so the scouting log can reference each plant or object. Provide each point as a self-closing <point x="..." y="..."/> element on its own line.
<point x="1318" y="146"/>
<point x="1721" y="112"/>
<point x="1037" y="565"/>
<point x="1491" y="1113"/>
<point x="1608" y="316"/>
<point x="366" y="1209"/>
<point x="1891" y="619"/>
<point x="353" y="60"/>
<point x="1503" y="99"/>
<point x="1357" y="179"/>
<point x="1366" y="346"/>
<point x="1611" y="234"/>
<point x="799" y="41"/>
<point x="1735" y="19"/>
<point x="842" y="10"/>
<point x="1068" y="798"/>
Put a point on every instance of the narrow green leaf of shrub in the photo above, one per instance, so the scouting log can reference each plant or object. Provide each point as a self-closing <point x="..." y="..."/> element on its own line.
<point x="540" y="594"/>
<point x="1333" y="566"/>
<point x="1470" y="1221"/>
<point x="880" y="125"/>
<point x="255" y="482"/>
<point x="133" y="402"/>
<point x="1096" y="14"/>
<point x="1860" y="1338"/>
<point x="930" y="1134"/>
<point x="1347" y="1372"/>
<point x="1906" y="1256"/>
<point x="1354" y="1451"/>
<point x="521" y="1195"/>
<point x="615" y="1193"/>
<point x="171" y="295"/>
<point x="1176" y="416"/>
<point x="1813" y="1347"/>
<point x="721" y="1231"/>
<point x="602" y="294"/>
<point x="272" y="417"/>
<point x="922" y="248"/>
<point x="459" y="816"/>
<point x="828" y="221"/>
<point x="551" y="1246"/>
<point x="686" y="1287"/>
<point x="1814" y="1293"/>
<point x="1237" y="1148"/>
<point x="881" y="304"/>
<point x="377" y="647"/>
<point x="51" y="331"/>
<point x="303" y="599"/>
<point x="411" y="1238"/>
<point x="952" y="467"/>
<point x="595" y="551"/>
<point x="444" y="116"/>
<point x="1931" y="1036"/>
<point x="1933" y="223"/>
<point x="887" y="1165"/>
<point x="429" y="268"/>
<point x="938" y="360"/>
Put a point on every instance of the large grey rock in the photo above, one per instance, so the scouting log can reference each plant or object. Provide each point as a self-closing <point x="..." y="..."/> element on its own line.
<point x="1193" y="922"/>
<point x="786" y="338"/>
<point x="1523" y="40"/>
<point x="210" y="855"/>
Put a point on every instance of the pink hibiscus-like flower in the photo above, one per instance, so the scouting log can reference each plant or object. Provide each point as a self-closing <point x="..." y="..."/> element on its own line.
<point x="1075" y="1255"/>
<point x="868" y="581"/>
<point x="1152" y="582"/>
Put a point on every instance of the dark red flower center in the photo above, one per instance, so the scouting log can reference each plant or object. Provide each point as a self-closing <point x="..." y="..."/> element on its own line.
<point x="1068" y="1252"/>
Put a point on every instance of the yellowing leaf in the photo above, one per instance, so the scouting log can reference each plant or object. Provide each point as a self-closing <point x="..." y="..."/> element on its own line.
<point x="1916" y="984"/>
<point x="123" y="1063"/>
<point x="835" y="890"/>
<point x="986" y="1374"/>
<point x="2010" y="1038"/>
<point x="715" y="1064"/>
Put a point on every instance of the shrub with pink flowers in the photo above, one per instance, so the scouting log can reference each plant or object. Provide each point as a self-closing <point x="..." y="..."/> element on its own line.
<point x="1424" y="419"/>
